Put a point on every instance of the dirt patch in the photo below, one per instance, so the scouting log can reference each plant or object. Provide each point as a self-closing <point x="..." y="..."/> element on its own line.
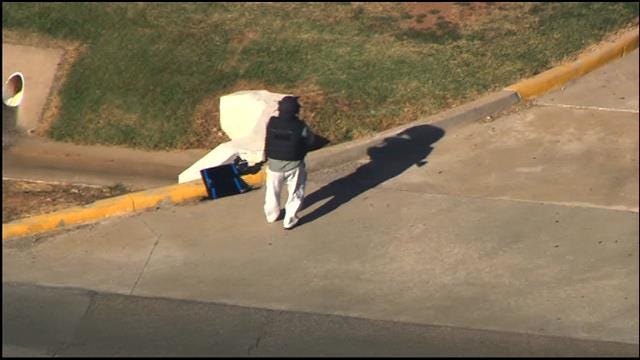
<point x="206" y="124"/>
<point x="22" y="199"/>
<point x="207" y="131"/>
<point x="311" y="100"/>
<point x="426" y="16"/>
<point x="52" y="107"/>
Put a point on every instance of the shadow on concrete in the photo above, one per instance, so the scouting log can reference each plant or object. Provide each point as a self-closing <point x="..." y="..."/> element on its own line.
<point x="9" y="125"/>
<point x="387" y="160"/>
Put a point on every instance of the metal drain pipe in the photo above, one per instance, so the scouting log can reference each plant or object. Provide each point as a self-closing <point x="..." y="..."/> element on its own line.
<point x="12" y="95"/>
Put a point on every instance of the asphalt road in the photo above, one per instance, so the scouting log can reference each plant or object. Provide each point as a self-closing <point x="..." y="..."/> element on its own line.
<point x="45" y="321"/>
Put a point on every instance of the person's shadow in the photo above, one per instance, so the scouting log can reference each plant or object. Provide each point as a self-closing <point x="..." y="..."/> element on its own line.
<point x="387" y="161"/>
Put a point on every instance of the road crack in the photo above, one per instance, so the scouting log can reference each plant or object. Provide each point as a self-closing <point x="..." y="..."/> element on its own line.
<point x="254" y="346"/>
<point x="69" y="342"/>
<point x="155" y="244"/>
<point x="263" y="331"/>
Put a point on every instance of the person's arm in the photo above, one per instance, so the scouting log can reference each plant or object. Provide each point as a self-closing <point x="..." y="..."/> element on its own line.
<point x="266" y="138"/>
<point x="308" y="136"/>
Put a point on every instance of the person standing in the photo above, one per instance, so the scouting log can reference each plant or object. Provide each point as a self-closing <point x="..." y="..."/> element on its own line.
<point x="287" y="140"/>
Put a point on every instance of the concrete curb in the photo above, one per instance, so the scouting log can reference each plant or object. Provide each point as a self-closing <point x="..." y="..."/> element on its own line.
<point x="333" y="155"/>
<point x="115" y="206"/>
<point x="558" y="76"/>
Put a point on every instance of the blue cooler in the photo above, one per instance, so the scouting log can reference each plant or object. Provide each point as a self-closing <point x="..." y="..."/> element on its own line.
<point x="223" y="180"/>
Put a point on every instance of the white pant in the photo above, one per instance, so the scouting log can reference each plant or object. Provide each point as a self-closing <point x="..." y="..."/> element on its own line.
<point x="295" y="180"/>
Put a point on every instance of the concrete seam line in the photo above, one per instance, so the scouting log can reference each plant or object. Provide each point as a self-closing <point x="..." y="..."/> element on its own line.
<point x="119" y="205"/>
<point x="555" y="77"/>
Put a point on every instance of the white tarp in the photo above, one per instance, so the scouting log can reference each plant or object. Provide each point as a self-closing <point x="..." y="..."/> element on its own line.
<point x="243" y="117"/>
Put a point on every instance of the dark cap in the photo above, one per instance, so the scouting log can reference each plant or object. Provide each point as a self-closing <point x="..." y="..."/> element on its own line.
<point x="288" y="106"/>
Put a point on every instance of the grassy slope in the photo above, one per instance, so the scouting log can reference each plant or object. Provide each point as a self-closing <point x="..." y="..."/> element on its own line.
<point x="153" y="72"/>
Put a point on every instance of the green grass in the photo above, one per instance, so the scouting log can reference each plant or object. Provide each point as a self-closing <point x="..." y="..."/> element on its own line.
<point x="357" y="67"/>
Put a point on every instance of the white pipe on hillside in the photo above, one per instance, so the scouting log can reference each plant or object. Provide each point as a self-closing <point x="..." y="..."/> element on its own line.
<point x="13" y="90"/>
<point x="12" y="95"/>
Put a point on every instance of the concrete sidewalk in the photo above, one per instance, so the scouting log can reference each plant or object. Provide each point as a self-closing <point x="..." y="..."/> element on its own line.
<point x="37" y="158"/>
<point x="525" y="224"/>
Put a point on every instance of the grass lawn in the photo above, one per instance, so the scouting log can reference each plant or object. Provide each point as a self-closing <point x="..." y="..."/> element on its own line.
<point x="151" y="74"/>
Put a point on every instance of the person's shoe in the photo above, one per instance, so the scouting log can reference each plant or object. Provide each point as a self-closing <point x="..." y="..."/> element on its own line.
<point x="288" y="225"/>
<point x="279" y="216"/>
<point x="272" y="220"/>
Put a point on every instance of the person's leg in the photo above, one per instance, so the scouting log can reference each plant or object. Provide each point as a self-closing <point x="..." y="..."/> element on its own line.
<point x="273" y="186"/>
<point x="296" y="181"/>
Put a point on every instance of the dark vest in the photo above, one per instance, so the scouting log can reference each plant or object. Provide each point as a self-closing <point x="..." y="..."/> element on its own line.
<point x="284" y="139"/>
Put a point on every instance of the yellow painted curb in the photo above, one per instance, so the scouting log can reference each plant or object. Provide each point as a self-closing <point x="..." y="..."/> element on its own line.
<point x="115" y="206"/>
<point x="557" y="76"/>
